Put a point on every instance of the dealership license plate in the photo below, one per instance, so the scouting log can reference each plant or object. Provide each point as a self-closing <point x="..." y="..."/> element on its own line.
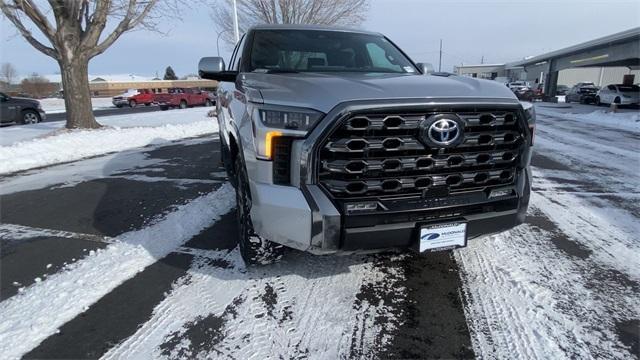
<point x="443" y="236"/>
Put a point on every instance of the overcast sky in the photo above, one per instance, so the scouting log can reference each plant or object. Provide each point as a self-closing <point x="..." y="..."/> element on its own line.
<point x="499" y="30"/>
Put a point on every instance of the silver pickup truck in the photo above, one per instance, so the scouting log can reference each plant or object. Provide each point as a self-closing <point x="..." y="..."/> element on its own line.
<point x="336" y="141"/>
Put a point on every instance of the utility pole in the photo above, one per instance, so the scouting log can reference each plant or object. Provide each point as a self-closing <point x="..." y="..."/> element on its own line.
<point x="482" y="60"/>
<point x="235" y="21"/>
<point x="440" y="62"/>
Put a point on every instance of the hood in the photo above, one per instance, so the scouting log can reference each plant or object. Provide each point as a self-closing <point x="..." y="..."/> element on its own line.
<point x="323" y="91"/>
<point x="25" y="100"/>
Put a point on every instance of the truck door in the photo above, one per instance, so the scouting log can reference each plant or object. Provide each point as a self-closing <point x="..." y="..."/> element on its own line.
<point x="7" y="109"/>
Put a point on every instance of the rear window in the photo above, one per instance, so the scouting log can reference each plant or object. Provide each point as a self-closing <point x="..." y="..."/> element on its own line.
<point x="631" y="88"/>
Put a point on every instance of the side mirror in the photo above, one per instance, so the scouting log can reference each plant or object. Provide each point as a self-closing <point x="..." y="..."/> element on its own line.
<point x="213" y="68"/>
<point x="425" y="68"/>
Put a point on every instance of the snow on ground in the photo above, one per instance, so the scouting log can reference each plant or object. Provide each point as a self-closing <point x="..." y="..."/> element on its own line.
<point x="39" y="310"/>
<point x="56" y="105"/>
<point x="107" y="166"/>
<point x="30" y="146"/>
<point x="563" y="284"/>
<point x="623" y="120"/>
<point x="309" y="310"/>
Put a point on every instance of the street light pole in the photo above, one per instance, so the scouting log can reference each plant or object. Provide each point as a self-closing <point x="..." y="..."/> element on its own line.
<point x="440" y="62"/>
<point x="218" y="40"/>
<point x="235" y="21"/>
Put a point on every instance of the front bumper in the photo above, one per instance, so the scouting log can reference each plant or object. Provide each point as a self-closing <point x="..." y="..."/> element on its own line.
<point x="307" y="220"/>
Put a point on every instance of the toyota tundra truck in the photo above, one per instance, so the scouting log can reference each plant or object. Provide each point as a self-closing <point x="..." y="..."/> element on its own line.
<point x="336" y="141"/>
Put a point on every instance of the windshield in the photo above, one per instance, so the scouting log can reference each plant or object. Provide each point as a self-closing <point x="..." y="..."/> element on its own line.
<point x="325" y="51"/>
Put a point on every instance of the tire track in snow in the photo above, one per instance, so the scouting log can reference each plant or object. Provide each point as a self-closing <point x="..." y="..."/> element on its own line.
<point x="36" y="313"/>
<point x="303" y="306"/>
<point x="527" y="299"/>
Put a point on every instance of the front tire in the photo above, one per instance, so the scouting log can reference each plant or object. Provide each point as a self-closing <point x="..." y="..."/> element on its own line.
<point x="30" y="117"/>
<point x="254" y="249"/>
<point x="208" y="103"/>
<point x="598" y="102"/>
<point x="183" y="104"/>
<point x="132" y="103"/>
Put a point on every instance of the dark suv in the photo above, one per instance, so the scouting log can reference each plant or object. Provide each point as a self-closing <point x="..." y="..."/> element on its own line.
<point x="20" y="110"/>
<point x="336" y="141"/>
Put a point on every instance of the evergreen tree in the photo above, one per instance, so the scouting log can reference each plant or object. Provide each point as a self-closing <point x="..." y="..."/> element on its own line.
<point x="169" y="74"/>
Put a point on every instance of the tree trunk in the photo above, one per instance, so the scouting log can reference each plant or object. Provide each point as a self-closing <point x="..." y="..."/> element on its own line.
<point x="77" y="95"/>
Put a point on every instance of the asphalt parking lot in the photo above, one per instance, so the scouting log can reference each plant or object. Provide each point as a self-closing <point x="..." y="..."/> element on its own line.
<point x="133" y="254"/>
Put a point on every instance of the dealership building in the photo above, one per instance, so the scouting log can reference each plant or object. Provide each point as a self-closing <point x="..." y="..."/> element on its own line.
<point x="611" y="59"/>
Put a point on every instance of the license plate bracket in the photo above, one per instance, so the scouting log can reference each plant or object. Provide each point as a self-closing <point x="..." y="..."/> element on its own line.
<point x="441" y="237"/>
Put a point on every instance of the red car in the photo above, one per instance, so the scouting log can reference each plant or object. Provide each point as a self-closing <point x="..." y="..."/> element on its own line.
<point x="134" y="97"/>
<point x="183" y="98"/>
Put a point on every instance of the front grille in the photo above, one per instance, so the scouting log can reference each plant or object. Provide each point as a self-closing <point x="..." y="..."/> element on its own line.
<point x="382" y="154"/>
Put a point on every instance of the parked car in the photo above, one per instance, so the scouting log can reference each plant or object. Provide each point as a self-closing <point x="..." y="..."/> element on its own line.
<point x="524" y="93"/>
<point x="133" y="98"/>
<point x="522" y="90"/>
<point x="144" y="96"/>
<point x="517" y="84"/>
<point x="583" y="92"/>
<point x="324" y="161"/>
<point x="183" y="98"/>
<point x="619" y="94"/>
<point x="123" y="99"/>
<point x="20" y="110"/>
<point x="562" y="90"/>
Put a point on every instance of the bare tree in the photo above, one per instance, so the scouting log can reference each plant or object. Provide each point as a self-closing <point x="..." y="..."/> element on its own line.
<point x="38" y="86"/>
<point x="8" y="73"/>
<point x="319" y="12"/>
<point x="74" y="30"/>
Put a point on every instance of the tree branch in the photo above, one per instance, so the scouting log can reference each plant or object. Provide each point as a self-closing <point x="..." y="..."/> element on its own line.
<point x="128" y="22"/>
<point x="11" y="13"/>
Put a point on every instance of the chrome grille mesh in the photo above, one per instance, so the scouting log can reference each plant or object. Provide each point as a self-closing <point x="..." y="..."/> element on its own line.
<point x="383" y="155"/>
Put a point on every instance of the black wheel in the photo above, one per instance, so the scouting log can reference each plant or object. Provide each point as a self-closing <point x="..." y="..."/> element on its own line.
<point x="208" y="103"/>
<point x="147" y="104"/>
<point x="254" y="249"/>
<point x="163" y="107"/>
<point x="567" y="99"/>
<point x="183" y="104"/>
<point x="119" y="106"/>
<point x="132" y="103"/>
<point x="617" y="100"/>
<point x="30" y="117"/>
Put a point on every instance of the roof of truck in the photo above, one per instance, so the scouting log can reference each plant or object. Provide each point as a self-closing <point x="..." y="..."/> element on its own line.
<point x="310" y="27"/>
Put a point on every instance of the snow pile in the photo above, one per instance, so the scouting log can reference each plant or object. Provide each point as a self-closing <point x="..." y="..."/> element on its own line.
<point x="627" y="120"/>
<point x="77" y="144"/>
<point x="56" y="105"/>
<point x="38" y="311"/>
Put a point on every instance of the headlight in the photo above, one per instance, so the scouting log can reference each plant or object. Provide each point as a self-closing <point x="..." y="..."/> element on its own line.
<point x="530" y="115"/>
<point x="272" y="121"/>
